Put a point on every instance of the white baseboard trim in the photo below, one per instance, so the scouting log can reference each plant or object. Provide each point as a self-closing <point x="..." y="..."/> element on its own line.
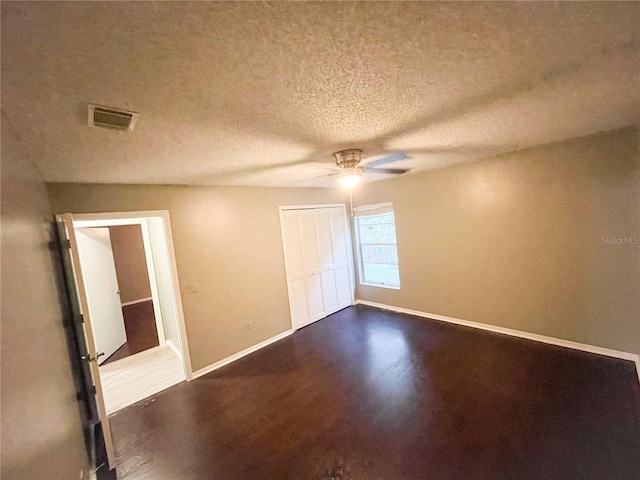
<point x="140" y="300"/>
<point x="239" y="355"/>
<point x="514" y="333"/>
<point x="175" y="348"/>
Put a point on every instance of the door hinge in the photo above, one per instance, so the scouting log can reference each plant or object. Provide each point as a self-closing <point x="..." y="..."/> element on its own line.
<point x="89" y="358"/>
<point x="90" y="391"/>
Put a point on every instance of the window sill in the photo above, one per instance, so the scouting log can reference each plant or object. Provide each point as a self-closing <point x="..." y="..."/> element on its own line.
<point x="390" y="287"/>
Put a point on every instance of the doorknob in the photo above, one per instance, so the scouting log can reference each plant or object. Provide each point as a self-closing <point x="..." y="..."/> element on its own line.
<point x="118" y="292"/>
<point x="89" y="358"/>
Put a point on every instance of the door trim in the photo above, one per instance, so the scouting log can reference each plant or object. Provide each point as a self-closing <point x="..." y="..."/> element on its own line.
<point x="153" y="285"/>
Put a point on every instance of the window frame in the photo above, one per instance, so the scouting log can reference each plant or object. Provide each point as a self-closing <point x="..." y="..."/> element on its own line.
<point x="371" y="211"/>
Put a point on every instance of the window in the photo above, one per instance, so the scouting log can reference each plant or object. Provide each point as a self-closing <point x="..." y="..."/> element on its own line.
<point x="377" y="249"/>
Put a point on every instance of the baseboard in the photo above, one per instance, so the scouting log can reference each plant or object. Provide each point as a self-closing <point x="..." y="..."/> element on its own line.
<point x="140" y="300"/>
<point x="514" y="333"/>
<point x="239" y="355"/>
<point x="175" y="348"/>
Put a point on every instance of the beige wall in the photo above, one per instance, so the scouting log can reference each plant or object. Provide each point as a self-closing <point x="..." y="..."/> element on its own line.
<point x="41" y="430"/>
<point x="131" y="264"/>
<point x="514" y="242"/>
<point x="228" y="245"/>
<point x="518" y="241"/>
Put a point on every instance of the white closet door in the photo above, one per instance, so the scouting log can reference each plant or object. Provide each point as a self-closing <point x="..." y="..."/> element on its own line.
<point x="340" y="246"/>
<point x="315" y="244"/>
<point x="343" y="286"/>
<point x="338" y="237"/>
<point x="314" y="297"/>
<point x="311" y="260"/>
<point x="298" y="301"/>
<point x="329" y="293"/>
<point x="323" y="226"/>
<point x="296" y="277"/>
<point x="310" y="253"/>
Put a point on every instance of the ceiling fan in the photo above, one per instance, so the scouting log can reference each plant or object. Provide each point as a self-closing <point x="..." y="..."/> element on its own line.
<point x="350" y="172"/>
<point x="346" y="164"/>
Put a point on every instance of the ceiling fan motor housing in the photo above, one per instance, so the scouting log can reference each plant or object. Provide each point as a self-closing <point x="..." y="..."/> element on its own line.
<point x="348" y="158"/>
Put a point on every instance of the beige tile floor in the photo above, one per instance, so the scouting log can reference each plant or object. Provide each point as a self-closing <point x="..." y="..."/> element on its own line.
<point x="127" y="381"/>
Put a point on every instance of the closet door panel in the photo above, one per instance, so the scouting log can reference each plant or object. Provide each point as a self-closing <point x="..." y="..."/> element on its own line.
<point x="329" y="293"/>
<point x="323" y="225"/>
<point x="310" y="255"/>
<point x="343" y="286"/>
<point x="292" y="245"/>
<point x="339" y="237"/>
<point x="298" y="301"/>
<point x="314" y="297"/>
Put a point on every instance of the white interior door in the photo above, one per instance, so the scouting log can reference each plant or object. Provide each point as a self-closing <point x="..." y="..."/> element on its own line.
<point x="342" y="264"/>
<point x="311" y="263"/>
<point x="296" y="276"/>
<point x="323" y="232"/>
<point x="68" y="234"/>
<point x="317" y="260"/>
<point x="103" y="294"/>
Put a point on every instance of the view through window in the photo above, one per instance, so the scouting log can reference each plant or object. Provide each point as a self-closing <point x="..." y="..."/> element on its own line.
<point x="377" y="247"/>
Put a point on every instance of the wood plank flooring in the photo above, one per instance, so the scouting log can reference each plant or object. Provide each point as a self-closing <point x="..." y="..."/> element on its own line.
<point x="136" y="377"/>
<point x="142" y="333"/>
<point x="373" y="395"/>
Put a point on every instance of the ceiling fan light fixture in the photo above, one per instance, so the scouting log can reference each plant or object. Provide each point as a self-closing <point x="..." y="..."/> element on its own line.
<point x="350" y="177"/>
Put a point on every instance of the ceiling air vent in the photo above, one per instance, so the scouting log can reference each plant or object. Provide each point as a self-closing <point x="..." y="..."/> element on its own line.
<point x="112" y="118"/>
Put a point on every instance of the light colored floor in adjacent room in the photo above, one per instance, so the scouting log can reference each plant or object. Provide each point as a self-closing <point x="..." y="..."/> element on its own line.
<point x="134" y="378"/>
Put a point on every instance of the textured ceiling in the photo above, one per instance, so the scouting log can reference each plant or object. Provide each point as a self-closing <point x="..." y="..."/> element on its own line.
<point x="262" y="94"/>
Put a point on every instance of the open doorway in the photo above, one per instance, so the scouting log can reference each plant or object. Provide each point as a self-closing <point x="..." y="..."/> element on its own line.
<point x="119" y="291"/>
<point x="92" y="288"/>
<point x="132" y="304"/>
<point x="142" y="323"/>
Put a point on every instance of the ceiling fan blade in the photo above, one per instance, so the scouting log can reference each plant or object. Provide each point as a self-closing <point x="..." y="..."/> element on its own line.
<point x="388" y="171"/>
<point x="394" y="157"/>
<point x="308" y="180"/>
<point x="323" y="176"/>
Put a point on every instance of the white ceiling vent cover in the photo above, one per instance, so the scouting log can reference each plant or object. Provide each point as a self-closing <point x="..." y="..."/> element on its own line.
<point x="112" y="118"/>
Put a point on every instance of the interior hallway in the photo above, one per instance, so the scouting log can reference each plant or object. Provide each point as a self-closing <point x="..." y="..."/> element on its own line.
<point x="371" y="394"/>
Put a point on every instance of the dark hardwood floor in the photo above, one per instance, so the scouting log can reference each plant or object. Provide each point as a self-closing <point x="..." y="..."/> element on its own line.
<point x="374" y="395"/>
<point x="142" y="334"/>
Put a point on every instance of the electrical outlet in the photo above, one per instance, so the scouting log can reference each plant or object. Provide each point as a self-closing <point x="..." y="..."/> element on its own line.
<point x="248" y="326"/>
<point x="192" y="288"/>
